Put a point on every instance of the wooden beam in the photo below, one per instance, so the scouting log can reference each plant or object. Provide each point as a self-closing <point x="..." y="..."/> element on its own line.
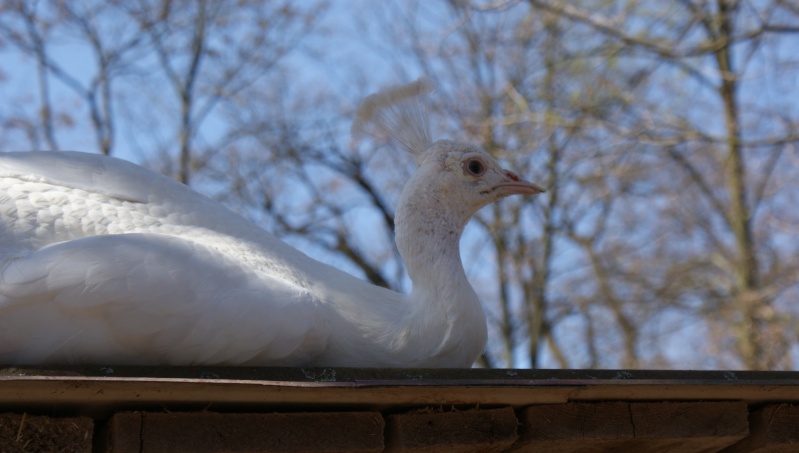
<point x="101" y="391"/>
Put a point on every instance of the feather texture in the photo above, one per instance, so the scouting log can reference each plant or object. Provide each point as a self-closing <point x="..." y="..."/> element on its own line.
<point x="398" y="113"/>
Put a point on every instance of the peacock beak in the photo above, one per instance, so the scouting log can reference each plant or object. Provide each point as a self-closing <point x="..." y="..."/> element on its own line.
<point x="513" y="185"/>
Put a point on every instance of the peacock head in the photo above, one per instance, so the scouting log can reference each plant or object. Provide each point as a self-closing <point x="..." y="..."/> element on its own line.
<point x="462" y="175"/>
<point x="467" y="176"/>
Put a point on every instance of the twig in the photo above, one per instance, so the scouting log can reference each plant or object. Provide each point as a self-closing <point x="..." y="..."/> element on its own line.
<point x="21" y="424"/>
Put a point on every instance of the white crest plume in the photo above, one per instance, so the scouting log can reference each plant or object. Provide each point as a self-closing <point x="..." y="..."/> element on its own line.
<point x="398" y="113"/>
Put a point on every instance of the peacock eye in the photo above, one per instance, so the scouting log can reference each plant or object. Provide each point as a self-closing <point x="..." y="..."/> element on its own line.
<point x="475" y="167"/>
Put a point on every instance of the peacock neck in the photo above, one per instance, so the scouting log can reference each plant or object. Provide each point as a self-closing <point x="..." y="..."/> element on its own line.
<point x="428" y="236"/>
<point x="428" y="232"/>
<point x="428" y="240"/>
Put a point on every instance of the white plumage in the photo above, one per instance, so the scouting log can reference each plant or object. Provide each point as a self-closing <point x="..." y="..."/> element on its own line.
<point x="105" y="262"/>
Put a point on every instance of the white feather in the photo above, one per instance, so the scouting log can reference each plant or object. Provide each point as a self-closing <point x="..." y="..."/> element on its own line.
<point x="105" y="262"/>
<point x="398" y="113"/>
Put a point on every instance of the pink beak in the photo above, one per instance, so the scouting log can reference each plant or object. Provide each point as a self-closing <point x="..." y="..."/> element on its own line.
<point x="513" y="185"/>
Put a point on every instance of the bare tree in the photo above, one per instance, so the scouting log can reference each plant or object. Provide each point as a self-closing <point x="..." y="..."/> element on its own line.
<point x="204" y="53"/>
<point x="211" y="52"/>
<point x="715" y="45"/>
<point x="34" y="28"/>
<point x="311" y="187"/>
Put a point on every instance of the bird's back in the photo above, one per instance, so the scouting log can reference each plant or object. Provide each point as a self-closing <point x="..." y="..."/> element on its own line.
<point x="104" y="261"/>
<point x="52" y="197"/>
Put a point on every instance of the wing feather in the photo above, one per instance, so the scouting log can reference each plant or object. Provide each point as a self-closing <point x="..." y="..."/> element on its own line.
<point x="109" y="176"/>
<point x="150" y="299"/>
